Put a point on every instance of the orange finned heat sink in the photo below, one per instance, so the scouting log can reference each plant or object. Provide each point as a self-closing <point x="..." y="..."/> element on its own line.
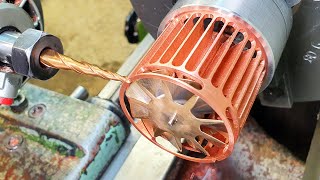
<point x="197" y="83"/>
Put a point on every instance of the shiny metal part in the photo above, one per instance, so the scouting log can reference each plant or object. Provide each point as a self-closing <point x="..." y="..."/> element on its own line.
<point x="10" y="83"/>
<point x="21" y="51"/>
<point x="19" y="54"/>
<point x="32" y="7"/>
<point x="20" y="104"/>
<point x="13" y="16"/>
<point x="26" y="54"/>
<point x="7" y="40"/>
<point x="80" y="93"/>
<point x="12" y="19"/>
<point x="53" y="59"/>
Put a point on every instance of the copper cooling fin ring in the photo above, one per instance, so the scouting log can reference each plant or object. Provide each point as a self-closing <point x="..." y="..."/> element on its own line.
<point x="206" y="56"/>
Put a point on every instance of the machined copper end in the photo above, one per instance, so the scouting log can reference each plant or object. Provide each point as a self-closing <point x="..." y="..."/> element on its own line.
<point x="196" y="85"/>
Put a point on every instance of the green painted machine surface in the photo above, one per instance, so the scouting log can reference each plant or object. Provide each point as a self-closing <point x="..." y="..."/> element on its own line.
<point x="47" y="135"/>
<point x="108" y="149"/>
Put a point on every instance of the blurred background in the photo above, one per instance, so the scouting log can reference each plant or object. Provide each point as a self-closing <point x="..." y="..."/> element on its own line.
<point x="92" y="31"/>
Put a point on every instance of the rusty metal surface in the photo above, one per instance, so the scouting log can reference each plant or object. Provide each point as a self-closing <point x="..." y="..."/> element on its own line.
<point x="256" y="156"/>
<point x="31" y="160"/>
<point x="61" y="137"/>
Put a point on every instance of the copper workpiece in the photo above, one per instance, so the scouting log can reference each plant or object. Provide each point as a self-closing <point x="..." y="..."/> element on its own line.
<point x="196" y="85"/>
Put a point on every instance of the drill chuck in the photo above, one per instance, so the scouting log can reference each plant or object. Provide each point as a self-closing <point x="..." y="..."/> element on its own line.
<point x="20" y="59"/>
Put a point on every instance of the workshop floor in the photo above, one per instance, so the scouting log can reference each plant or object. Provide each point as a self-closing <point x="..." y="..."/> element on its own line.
<point x="90" y="31"/>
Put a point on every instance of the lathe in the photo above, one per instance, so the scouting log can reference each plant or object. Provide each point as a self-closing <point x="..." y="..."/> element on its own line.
<point x="181" y="107"/>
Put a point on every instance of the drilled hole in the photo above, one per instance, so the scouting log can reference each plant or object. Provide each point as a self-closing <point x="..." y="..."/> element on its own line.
<point x="195" y="20"/>
<point x="228" y="31"/>
<point x="239" y="38"/>
<point x="255" y="54"/>
<point x="248" y="46"/>
<point x="218" y="26"/>
<point x="198" y="138"/>
<point x="206" y="22"/>
<point x="204" y="143"/>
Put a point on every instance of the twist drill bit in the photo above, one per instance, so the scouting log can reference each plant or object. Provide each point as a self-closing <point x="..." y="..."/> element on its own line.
<point x="56" y="60"/>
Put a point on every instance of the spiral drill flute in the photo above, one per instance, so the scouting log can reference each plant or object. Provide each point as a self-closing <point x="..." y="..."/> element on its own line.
<point x="56" y="60"/>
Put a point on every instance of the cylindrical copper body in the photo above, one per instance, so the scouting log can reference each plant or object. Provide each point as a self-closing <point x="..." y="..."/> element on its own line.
<point x="220" y="52"/>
